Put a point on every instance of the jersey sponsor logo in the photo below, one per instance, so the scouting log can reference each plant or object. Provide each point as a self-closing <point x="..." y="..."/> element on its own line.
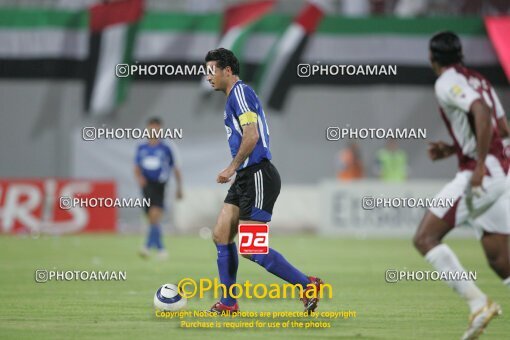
<point x="253" y="239"/>
<point x="229" y="132"/>
<point x="456" y="91"/>
<point x="151" y="162"/>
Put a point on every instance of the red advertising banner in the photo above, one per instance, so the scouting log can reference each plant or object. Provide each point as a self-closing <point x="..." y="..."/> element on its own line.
<point x="35" y="205"/>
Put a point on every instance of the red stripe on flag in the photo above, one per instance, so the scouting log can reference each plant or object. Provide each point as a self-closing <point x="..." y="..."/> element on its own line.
<point x="244" y="14"/>
<point x="114" y="12"/>
<point x="310" y="17"/>
<point x="499" y="33"/>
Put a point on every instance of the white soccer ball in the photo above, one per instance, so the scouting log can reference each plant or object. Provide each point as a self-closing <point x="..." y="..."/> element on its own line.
<point x="168" y="299"/>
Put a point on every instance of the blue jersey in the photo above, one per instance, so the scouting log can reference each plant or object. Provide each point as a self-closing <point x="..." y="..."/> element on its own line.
<point x="156" y="161"/>
<point x="242" y="106"/>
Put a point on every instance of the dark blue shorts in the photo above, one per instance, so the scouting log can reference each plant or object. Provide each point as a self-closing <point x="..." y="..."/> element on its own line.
<point x="155" y="191"/>
<point x="255" y="191"/>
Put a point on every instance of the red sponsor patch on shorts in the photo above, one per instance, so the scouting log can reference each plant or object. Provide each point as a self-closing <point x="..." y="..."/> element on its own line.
<point x="253" y="238"/>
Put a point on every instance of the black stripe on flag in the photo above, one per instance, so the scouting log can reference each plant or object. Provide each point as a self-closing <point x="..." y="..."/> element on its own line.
<point x="91" y="67"/>
<point x="65" y="69"/>
<point x="289" y="73"/>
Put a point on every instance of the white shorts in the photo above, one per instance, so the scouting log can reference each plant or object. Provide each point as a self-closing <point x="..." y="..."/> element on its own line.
<point x="490" y="212"/>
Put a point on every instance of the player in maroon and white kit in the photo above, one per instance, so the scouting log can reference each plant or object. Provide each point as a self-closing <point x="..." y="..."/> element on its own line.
<point x="474" y="118"/>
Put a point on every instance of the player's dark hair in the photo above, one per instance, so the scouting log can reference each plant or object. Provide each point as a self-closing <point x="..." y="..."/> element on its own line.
<point x="154" y="120"/>
<point x="223" y="58"/>
<point x="446" y="48"/>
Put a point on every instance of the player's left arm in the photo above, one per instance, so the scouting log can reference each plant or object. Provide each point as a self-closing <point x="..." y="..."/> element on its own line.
<point x="248" y="143"/>
<point x="504" y="132"/>
<point x="483" y="125"/>
<point x="245" y="106"/>
<point x="459" y="93"/>
<point x="175" y="162"/>
<point x="250" y="138"/>
<point x="178" y="180"/>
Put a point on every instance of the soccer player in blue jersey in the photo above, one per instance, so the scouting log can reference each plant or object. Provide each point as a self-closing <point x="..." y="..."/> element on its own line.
<point x="251" y="197"/>
<point x="154" y="163"/>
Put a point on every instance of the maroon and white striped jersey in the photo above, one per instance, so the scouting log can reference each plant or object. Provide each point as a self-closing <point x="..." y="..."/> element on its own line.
<point x="456" y="90"/>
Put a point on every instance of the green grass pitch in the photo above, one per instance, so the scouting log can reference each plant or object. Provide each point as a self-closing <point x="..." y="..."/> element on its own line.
<point x="123" y="310"/>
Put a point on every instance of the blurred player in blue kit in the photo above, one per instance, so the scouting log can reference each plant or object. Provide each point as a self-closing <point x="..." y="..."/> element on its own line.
<point x="155" y="160"/>
<point x="252" y="195"/>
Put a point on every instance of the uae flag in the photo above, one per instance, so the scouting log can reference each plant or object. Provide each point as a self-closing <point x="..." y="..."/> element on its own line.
<point x="498" y="29"/>
<point x="238" y="22"/>
<point x="113" y="28"/>
<point x="279" y="69"/>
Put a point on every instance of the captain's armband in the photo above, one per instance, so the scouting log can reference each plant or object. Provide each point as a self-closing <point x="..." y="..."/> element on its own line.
<point x="248" y="118"/>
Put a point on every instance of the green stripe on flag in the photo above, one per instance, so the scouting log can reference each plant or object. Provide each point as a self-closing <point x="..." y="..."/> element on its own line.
<point x="418" y="26"/>
<point x="181" y="22"/>
<point x="239" y="44"/>
<point x="123" y="83"/>
<point x="238" y="47"/>
<point x="271" y="23"/>
<point x="36" y="18"/>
